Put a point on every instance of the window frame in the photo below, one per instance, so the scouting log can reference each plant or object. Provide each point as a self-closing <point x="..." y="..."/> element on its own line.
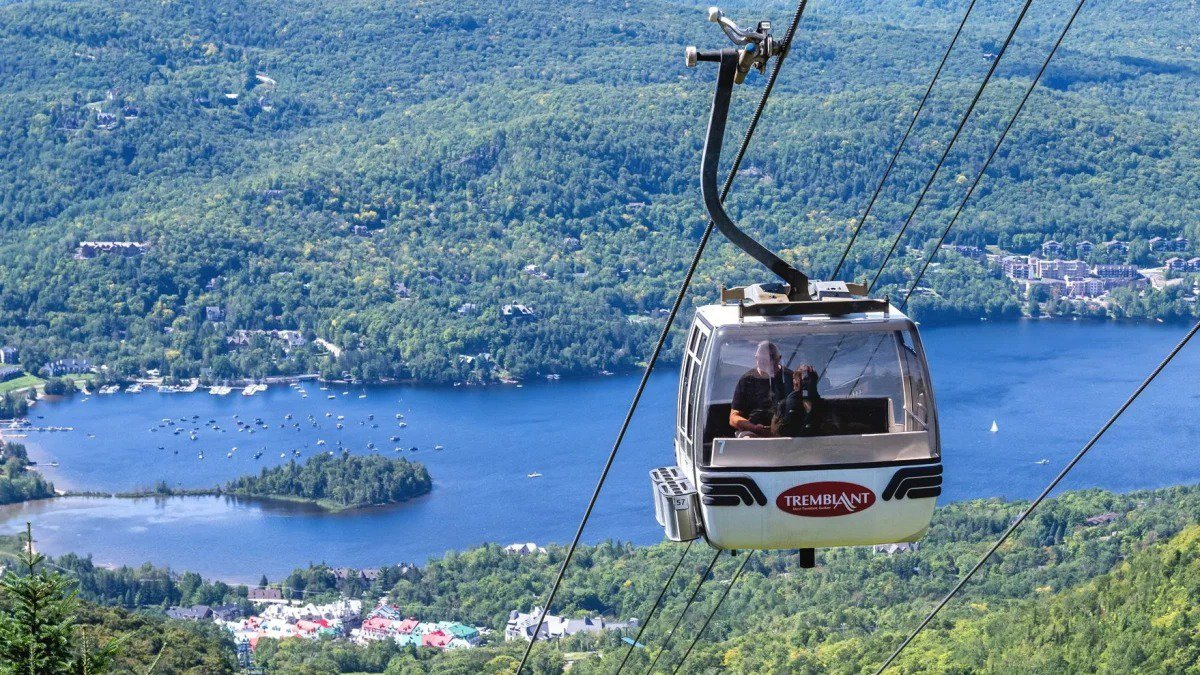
<point x="687" y="415"/>
<point x="701" y="452"/>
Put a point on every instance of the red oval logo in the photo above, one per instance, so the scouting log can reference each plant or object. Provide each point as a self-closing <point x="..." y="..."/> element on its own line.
<point x="825" y="499"/>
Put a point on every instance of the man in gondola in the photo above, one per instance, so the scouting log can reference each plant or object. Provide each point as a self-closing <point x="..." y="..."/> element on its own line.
<point x="759" y="392"/>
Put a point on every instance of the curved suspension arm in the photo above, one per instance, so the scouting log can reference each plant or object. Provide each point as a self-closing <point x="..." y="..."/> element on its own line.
<point x="728" y="59"/>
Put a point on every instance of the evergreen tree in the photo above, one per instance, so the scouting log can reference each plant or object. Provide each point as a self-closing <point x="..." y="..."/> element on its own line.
<point x="37" y="617"/>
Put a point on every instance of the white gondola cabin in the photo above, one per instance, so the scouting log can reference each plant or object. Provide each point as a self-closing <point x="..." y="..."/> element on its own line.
<point x="862" y="466"/>
<point x="805" y="416"/>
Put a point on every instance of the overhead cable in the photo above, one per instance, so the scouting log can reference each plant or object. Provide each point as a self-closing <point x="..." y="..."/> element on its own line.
<point x="679" y="298"/>
<point x="654" y="608"/>
<point x="903" y="141"/>
<point x="1041" y="497"/>
<point x="953" y="139"/>
<point x="992" y="155"/>
<point x="691" y="600"/>
<point x="707" y="620"/>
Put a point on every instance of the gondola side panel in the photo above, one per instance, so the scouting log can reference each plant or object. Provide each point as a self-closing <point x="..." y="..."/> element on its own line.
<point x="818" y="508"/>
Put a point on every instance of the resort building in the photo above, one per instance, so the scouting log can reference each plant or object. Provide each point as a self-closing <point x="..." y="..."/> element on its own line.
<point x="243" y="337"/>
<point x="1116" y="246"/>
<point x="1164" y="244"/>
<point x="264" y="595"/>
<point x="517" y="311"/>
<point x="1058" y="269"/>
<point x="973" y="252"/>
<point x="194" y="613"/>
<point x="1085" y="287"/>
<point x="1102" y="518"/>
<point x="66" y="367"/>
<point x="520" y="625"/>
<point x="1016" y="267"/>
<point x="1115" y="271"/>
<point x="385" y="622"/>
<point x="1052" y="249"/>
<point x="893" y="549"/>
<point x="91" y="249"/>
<point x="1181" y="265"/>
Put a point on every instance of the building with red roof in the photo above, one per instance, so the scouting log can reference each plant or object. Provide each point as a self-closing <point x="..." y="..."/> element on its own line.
<point x="309" y="628"/>
<point x="377" y="627"/>
<point x="437" y="639"/>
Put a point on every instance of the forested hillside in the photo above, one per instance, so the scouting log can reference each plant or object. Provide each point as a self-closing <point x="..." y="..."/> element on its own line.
<point x="383" y="175"/>
<point x="1139" y="618"/>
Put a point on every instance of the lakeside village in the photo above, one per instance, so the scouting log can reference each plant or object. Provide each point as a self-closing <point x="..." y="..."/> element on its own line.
<point x="279" y="618"/>
<point x="1093" y="270"/>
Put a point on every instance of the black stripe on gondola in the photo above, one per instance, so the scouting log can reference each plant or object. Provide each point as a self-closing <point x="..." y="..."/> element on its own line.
<point x="742" y="486"/>
<point x="922" y="493"/>
<point x="907" y="485"/>
<point x="905" y="475"/>
<point x="739" y="492"/>
<point x="721" y="500"/>
<point x="901" y="488"/>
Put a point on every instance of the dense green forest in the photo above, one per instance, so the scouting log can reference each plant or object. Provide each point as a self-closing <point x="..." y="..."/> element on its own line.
<point x="1112" y="594"/>
<point x="17" y="482"/>
<point x="344" y="482"/>
<point x="309" y="165"/>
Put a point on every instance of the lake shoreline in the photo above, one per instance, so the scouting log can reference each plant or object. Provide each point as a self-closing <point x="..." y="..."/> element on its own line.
<point x="1049" y="383"/>
<point x="934" y="323"/>
<point x="983" y="503"/>
<point x="324" y="505"/>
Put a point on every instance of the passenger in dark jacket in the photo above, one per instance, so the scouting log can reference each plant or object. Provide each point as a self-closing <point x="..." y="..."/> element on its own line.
<point x="759" y="392"/>
<point x="795" y="416"/>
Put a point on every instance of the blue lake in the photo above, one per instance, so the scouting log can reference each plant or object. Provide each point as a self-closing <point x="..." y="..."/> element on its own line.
<point x="1049" y="385"/>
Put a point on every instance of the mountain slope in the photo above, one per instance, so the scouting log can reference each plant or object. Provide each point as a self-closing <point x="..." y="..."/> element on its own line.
<point x="381" y="176"/>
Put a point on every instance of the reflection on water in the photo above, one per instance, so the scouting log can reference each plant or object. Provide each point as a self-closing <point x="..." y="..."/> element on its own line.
<point x="1048" y="384"/>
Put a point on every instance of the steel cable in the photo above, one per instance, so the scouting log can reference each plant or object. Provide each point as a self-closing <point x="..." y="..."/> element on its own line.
<point x="655" y="606"/>
<point x="713" y="613"/>
<point x="679" y="297"/>
<point x="979" y="176"/>
<point x="903" y="141"/>
<point x="992" y="155"/>
<point x="950" y="146"/>
<point x="1041" y="497"/>
<point x="671" y="634"/>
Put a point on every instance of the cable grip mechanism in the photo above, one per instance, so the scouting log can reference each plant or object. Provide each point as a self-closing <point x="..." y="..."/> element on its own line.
<point x="757" y="46"/>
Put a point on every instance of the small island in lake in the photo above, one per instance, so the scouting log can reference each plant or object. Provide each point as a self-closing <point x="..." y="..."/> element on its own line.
<point x="338" y="483"/>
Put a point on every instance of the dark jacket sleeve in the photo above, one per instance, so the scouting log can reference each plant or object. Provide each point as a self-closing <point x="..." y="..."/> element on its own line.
<point x="740" y="396"/>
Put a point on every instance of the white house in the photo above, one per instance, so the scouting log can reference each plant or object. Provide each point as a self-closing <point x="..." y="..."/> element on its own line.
<point x="528" y="548"/>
